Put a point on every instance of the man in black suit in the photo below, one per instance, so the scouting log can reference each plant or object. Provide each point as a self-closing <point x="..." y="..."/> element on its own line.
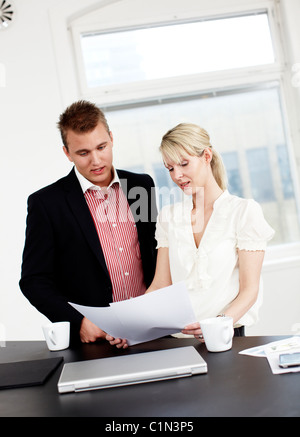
<point x="76" y="225"/>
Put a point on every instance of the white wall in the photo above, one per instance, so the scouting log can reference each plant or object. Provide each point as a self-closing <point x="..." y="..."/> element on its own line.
<point x="280" y="312"/>
<point x="31" y="155"/>
<point x="40" y="81"/>
<point x="33" y="96"/>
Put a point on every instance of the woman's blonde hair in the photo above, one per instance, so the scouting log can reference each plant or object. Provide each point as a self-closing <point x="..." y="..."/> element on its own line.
<point x="190" y="139"/>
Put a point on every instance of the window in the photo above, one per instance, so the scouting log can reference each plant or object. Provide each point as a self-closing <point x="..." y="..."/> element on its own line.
<point x="232" y="165"/>
<point x="222" y="72"/>
<point x="245" y="126"/>
<point x="285" y="172"/>
<point x="175" y="50"/>
<point x="260" y="174"/>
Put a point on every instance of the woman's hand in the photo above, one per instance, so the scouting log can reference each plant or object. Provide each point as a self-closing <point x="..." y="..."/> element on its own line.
<point x="195" y="330"/>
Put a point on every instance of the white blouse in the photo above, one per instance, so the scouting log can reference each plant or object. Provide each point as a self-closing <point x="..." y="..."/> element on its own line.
<point x="211" y="271"/>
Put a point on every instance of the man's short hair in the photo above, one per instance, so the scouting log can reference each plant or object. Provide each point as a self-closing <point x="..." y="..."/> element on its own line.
<point x="80" y="117"/>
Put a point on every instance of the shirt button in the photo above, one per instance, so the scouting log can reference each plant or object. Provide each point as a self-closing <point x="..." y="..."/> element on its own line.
<point x="126" y="274"/>
<point x="121" y="249"/>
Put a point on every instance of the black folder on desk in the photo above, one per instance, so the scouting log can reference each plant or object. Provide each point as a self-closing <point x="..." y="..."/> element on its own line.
<point x="27" y="373"/>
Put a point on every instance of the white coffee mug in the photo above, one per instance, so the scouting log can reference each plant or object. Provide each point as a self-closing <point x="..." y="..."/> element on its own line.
<point x="217" y="333"/>
<point x="57" y="335"/>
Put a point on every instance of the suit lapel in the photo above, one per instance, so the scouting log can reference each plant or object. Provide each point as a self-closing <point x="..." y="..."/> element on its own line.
<point x="80" y="210"/>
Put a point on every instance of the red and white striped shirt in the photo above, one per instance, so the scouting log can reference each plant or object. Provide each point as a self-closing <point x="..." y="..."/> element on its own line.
<point x="118" y="237"/>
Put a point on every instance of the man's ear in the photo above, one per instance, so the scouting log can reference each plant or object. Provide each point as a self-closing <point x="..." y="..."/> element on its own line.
<point x="66" y="152"/>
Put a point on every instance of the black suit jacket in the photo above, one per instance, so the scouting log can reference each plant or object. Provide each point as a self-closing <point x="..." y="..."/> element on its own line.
<point x="63" y="260"/>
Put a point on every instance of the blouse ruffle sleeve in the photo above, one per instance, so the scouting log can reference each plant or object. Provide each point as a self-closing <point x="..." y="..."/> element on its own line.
<point x="253" y="231"/>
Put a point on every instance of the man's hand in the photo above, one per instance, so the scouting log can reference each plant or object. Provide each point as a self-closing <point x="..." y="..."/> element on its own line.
<point x="89" y="332"/>
<point x="120" y="343"/>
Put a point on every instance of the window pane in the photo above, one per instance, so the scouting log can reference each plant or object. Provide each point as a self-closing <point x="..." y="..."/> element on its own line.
<point x="175" y="50"/>
<point x="260" y="174"/>
<point x="235" y="183"/>
<point x="245" y="126"/>
<point x="285" y="172"/>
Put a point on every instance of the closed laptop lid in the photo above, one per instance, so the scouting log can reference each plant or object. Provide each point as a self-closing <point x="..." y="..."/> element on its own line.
<point x="131" y="369"/>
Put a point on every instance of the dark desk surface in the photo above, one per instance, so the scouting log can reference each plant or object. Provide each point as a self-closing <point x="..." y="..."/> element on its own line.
<point x="235" y="385"/>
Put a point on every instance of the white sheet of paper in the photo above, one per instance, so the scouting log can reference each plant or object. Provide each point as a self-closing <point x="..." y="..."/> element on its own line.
<point x="272" y="351"/>
<point x="104" y="318"/>
<point x="281" y="346"/>
<point x="144" y="318"/>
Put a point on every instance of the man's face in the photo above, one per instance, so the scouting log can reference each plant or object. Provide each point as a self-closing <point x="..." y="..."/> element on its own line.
<point x="91" y="152"/>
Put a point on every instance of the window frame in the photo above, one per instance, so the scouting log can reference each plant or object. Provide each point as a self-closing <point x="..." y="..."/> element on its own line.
<point x="183" y="85"/>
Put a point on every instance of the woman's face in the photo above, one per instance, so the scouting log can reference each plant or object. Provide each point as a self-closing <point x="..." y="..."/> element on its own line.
<point x="191" y="173"/>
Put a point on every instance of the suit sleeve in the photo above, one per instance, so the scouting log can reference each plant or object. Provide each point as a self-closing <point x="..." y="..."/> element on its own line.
<point x="37" y="277"/>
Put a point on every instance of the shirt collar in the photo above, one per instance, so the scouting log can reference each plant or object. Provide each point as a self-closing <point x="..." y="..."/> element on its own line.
<point x="87" y="185"/>
<point x="188" y="200"/>
<point x="220" y="199"/>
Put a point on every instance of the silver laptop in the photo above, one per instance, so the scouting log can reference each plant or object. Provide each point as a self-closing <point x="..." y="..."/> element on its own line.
<point x="131" y="369"/>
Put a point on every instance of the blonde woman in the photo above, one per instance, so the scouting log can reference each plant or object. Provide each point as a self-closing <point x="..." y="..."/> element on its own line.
<point x="214" y="241"/>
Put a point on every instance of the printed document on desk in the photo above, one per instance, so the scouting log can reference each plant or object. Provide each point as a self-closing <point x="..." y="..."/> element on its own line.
<point x="272" y="351"/>
<point x="144" y="318"/>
